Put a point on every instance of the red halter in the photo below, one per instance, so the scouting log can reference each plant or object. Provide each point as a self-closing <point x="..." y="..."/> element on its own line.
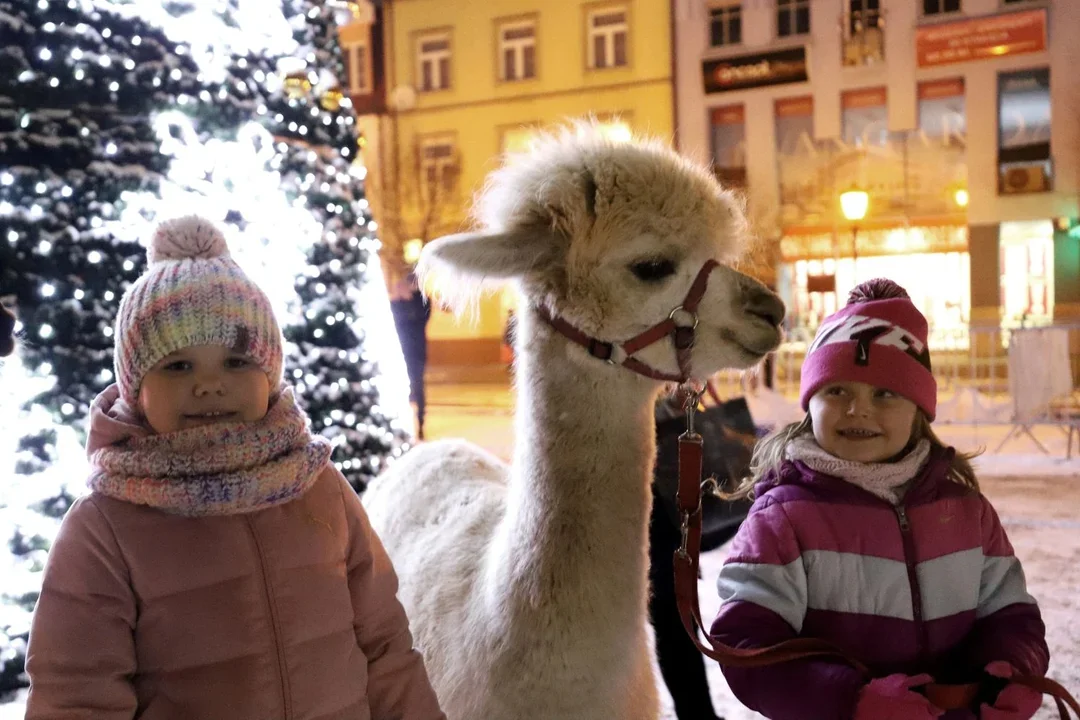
<point x="682" y="336"/>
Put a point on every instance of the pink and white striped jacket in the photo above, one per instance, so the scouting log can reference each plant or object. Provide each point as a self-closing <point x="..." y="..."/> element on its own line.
<point x="929" y="586"/>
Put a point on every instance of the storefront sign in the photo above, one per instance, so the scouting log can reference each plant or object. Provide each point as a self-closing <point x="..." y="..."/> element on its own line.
<point x="750" y="71"/>
<point x="795" y="107"/>
<point x="863" y="98"/>
<point x="980" y="38"/>
<point x="934" y="89"/>
<point x="728" y="115"/>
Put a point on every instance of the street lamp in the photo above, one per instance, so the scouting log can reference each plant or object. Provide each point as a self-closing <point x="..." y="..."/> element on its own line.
<point x="853" y="203"/>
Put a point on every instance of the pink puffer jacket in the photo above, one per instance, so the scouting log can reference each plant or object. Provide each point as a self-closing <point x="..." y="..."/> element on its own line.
<point x="287" y="613"/>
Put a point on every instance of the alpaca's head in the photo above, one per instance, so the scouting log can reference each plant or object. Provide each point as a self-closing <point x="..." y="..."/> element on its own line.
<point x="609" y="235"/>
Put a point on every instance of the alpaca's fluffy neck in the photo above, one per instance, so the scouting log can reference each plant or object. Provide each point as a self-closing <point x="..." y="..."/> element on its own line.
<point x="571" y="553"/>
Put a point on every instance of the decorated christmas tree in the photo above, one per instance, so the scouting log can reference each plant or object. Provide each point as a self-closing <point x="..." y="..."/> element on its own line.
<point x="116" y="119"/>
<point x="345" y="314"/>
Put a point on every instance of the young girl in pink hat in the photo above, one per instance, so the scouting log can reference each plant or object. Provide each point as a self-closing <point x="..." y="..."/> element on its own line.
<point x="221" y="567"/>
<point x="868" y="532"/>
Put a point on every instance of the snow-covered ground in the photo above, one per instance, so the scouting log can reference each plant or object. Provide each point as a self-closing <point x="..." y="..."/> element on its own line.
<point x="1036" y="494"/>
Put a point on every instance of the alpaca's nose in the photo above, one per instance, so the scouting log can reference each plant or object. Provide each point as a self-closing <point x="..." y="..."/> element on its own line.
<point x="766" y="305"/>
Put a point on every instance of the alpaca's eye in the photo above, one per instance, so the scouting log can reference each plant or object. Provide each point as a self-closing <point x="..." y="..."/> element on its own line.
<point x="653" y="270"/>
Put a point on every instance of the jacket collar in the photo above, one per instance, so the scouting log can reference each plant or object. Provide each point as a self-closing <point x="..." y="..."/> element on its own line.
<point x="931" y="481"/>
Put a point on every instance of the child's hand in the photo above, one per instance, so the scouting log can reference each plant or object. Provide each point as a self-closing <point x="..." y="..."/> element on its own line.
<point x="1014" y="702"/>
<point x="892" y="698"/>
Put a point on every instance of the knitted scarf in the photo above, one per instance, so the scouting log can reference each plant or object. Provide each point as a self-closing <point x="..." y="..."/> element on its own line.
<point x="220" y="469"/>
<point x="887" y="480"/>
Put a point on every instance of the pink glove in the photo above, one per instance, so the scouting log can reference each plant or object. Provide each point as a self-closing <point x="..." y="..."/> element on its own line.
<point x="1015" y="702"/>
<point x="891" y="698"/>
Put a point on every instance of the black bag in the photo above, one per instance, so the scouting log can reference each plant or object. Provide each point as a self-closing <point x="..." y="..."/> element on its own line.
<point x="728" y="432"/>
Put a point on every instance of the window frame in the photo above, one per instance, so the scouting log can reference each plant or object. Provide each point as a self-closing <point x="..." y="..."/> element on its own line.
<point x="728" y="11"/>
<point x="518" y="46"/>
<point x="447" y="183"/>
<point x="941" y="11"/>
<point x="1018" y="158"/>
<point x="859" y="40"/>
<point x="435" y="57"/>
<point x="352" y="64"/>
<point x="731" y="176"/>
<point x="608" y="32"/>
<point x="791" y="9"/>
<point x="862" y="13"/>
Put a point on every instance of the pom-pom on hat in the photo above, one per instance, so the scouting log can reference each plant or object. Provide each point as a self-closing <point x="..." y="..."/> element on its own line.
<point x="193" y="293"/>
<point x="878" y="338"/>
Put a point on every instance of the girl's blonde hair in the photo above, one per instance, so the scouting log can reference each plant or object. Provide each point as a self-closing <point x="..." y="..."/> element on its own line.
<point x="769" y="455"/>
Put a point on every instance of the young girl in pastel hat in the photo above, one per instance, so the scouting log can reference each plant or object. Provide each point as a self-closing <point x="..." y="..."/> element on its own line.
<point x="221" y="567"/>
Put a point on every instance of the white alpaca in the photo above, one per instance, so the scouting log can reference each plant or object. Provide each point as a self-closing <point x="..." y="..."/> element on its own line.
<point x="526" y="585"/>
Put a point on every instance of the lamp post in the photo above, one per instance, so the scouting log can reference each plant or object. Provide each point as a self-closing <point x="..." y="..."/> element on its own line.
<point x="854" y="203"/>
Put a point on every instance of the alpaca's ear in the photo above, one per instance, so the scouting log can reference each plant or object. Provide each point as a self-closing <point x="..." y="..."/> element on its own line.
<point x="480" y="256"/>
<point x="459" y="268"/>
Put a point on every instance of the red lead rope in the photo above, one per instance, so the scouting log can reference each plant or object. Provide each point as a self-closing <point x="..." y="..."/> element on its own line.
<point x="946" y="697"/>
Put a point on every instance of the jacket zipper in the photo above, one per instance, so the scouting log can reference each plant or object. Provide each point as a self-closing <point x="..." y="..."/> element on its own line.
<point x="913" y="580"/>
<point x="286" y="704"/>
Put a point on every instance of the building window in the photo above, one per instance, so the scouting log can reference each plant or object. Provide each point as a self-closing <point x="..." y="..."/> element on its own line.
<point x="942" y="115"/>
<point x="865" y="117"/>
<point x="939" y="7"/>
<point x="439" y="168"/>
<point x="794" y="126"/>
<point x="728" y="137"/>
<point x="725" y="25"/>
<point x="517" y="50"/>
<point x="864" y="41"/>
<point x="1024" y="132"/>
<point x="433" y="62"/>
<point x="358" y="68"/>
<point x="608" y="37"/>
<point x="792" y="17"/>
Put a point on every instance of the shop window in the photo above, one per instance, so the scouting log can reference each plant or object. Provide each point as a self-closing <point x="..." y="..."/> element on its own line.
<point x="517" y="50"/>
<point x="864" y="37"/>
<point x="1024" y="163"/>
<point x="794" y="125"/>
<point x="939" y="284"/>
<point x="792" y="17"/>
<point x="942" y="115"/>
<point x="433" y="62"/>
<point x="939" y="7"/>
<point x="729" y="145"/>
<point x="608" y="38"/>
<point x="1027" y="273"/>
<point x="865" y="117"/>
<point x="358" y="68"/>
<point x="725" y="25"/>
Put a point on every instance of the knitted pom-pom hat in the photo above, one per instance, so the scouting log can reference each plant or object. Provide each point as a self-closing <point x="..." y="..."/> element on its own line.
<point x="878" y="338"/>
<point x="193" y="293"/>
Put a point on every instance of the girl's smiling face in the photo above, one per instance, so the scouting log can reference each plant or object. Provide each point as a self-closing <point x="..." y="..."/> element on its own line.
<point x="202" y="385"/>
<point x="860" y="422"/>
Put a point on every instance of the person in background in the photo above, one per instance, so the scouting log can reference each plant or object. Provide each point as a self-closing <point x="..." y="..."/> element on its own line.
<point x="411" y="315"/>
<point x="221" y="567"/>
<point x="870" y="533"/>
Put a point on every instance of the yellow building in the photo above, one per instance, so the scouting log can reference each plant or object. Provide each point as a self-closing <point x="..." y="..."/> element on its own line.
<point x="443" y="87"/>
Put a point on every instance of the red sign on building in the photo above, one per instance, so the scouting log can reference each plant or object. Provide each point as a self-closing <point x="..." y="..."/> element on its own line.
<point x="980" y="38"/>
